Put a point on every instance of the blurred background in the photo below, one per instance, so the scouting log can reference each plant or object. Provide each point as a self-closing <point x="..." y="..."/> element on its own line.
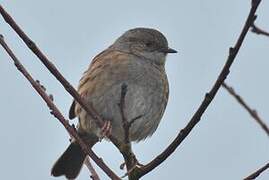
<point x="226" y="144"/>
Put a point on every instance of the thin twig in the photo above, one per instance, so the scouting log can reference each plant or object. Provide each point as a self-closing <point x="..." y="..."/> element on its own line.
<point x="126" y="148"/>
<point x="94" y="175"/>
<point x="259" y="31"/>
<point x="128" y="155"/>
<point x="69" y="88"/>
<point x="208" y="97"/>
<point x="125" y="123"/>
<point x="56" y="112"/>
<point x="258" y="172"/>
<point x="251" y="111"/>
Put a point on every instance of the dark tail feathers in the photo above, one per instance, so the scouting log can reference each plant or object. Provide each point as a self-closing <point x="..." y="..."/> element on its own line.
<point x="70" y="163"/>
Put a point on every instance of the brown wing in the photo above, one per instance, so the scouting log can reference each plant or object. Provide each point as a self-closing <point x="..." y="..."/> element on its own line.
<point x="72" y="112"/>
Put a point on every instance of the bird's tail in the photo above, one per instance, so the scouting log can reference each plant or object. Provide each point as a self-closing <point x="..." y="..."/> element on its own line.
<point x="70" y="162"/>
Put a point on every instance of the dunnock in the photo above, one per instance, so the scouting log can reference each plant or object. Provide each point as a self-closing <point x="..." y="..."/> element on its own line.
<point x="136" y="59"/>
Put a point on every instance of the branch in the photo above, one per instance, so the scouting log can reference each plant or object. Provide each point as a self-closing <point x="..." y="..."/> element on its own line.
<point x="56" y="112"/>
<point x="69" y="88"/>
<point x="208" y="97"/>
<point x="259" y="31"/>
<point x="94" y="175"/>
<point x="252" y="112"/>
<point x="125" y="124"/>
<point x="257" y="173"/>
<point x="126" y="149"/>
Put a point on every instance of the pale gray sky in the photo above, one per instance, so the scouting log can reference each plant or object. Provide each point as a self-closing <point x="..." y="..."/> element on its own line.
<point x="226" y="144"/>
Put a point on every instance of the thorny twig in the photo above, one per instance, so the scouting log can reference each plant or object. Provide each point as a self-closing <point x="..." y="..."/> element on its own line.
<point x="70" y="89"/>
<point x="56" y="112"/>
<point x="42" y="57"/>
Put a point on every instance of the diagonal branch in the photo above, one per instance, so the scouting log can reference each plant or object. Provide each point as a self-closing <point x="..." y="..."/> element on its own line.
<point x="252" y="112"/>
<point x="257" y="173"/>
<point x="87" y="107"/>
<point x="69" y="88"/>
<point x="208" y="97"/>
<point x="56" y="112"/>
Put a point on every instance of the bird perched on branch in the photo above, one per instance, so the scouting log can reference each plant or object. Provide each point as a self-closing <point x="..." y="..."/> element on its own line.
<point x="136" y="60"/>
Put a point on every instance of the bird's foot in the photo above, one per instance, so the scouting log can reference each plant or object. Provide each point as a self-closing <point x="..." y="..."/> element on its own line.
<point x="106" y="130"/>
<point x="135" y="166"/>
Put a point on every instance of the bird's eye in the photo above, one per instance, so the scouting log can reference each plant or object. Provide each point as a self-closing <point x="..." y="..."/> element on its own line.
<point x="149" y="44"/>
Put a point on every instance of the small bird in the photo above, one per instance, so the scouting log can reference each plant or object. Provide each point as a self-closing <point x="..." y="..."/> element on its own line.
<point x="136" y="60"/>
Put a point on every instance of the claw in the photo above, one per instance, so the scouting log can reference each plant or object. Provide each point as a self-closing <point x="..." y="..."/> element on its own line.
<point x="136" y="165"/>
<point x="106" y="130"/>
<point x="122" y="166"/>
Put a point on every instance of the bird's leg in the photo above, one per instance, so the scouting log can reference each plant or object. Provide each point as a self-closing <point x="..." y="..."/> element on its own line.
<point x="131" y="162"/>
<point x="138" y="164"/>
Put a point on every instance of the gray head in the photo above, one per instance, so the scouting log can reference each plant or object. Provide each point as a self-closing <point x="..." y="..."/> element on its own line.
<point x="148" y="43"/>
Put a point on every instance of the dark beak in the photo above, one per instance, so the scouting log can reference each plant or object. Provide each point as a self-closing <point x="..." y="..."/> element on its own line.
<point x="169" y="50"/>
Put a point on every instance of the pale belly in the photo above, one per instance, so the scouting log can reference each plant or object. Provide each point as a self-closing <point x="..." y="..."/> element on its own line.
<point x="144" y="100"/>
<point x="147" y="94"/>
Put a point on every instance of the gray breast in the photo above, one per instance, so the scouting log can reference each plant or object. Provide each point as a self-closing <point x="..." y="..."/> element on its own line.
<point x="147" y="91"/>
